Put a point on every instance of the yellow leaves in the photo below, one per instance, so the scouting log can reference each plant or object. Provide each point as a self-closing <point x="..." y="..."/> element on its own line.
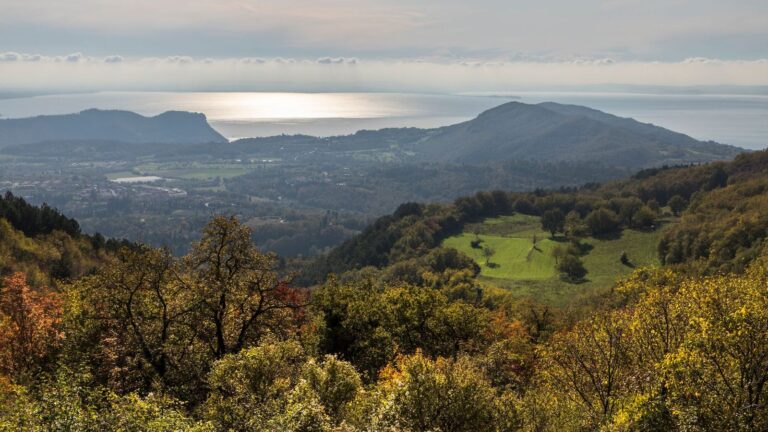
<point x="699" y="342"/>
<point x="631" y="412"/>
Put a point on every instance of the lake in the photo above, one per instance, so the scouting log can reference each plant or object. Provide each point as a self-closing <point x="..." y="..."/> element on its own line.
<point x="732" y="119"/>
<point x="138" y="179"/>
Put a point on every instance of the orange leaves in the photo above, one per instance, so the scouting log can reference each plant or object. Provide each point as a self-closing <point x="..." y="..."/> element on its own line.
<point x="29" y="324"/>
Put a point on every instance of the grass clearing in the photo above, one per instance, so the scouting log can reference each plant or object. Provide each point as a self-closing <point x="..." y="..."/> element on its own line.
<point x="527" y="272"/>
<point x="512" y="239"/>
<point x="515" y="258"/>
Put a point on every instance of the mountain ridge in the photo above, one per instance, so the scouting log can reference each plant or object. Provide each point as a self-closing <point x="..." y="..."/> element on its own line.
<point x="545" y="132"/>
<point x="178" y="127"/>
<point x="557" y="132"/>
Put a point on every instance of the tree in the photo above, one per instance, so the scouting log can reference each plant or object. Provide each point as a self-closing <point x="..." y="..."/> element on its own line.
<point x="602" y="221"/>
<point x="590" y="365"/>
<point x="720" y="369"/>
<point x="174" y="317"/>
<point x="628" y="207"/>
<point x="29" y="325"/>
<point x="644" y="218"/>
<point x="420" y="394"/>
<point x="553" y="221"/>
<point x="149" y="307"/>
<point x="488" y="253"/>
<point x="572" y="268"/>
<point x="624" y="258"/>
<point x="653" y="205"/>
<point x="677" y="204"/>
<point x="475" y="243"/>
<point x="573" y="225"/>
<point x="335" y="382"/>
<point x="424" y="318"/>
<point x="278" y="387"/>
<point x="240" y="295"/>
<point x="67" y="401"/>
<point x="265" y="376"/>
<point x="353" y="315"/>
<point x="558" y="252"/>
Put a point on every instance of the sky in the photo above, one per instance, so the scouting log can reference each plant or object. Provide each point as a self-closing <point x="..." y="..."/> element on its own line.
<point x="387" y="45"/>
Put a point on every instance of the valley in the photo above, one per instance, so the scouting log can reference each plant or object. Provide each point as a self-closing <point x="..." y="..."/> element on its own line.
<point x="303" y="195"/>
<point x="383" y="216"/>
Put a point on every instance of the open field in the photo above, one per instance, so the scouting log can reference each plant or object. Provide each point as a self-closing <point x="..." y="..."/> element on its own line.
<point x="528" y="272"/>
<point x="194" y="170"/>
<point x="515" y="257"/>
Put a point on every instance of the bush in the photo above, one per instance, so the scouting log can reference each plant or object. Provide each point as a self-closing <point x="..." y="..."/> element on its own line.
<point x="677" y="204"/>
<point x="572" y="268"/>
<point x="624" y="259"/>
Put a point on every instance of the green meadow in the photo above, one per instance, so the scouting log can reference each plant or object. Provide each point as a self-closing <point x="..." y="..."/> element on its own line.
<point x="529" y="271"/>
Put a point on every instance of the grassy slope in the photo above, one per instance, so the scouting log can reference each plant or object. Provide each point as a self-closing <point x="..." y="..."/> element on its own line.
<point x="512" y="239"/>
<point x="528" y="273"/>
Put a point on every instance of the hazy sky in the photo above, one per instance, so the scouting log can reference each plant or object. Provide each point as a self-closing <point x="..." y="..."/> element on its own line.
<point x="451" y="45"/>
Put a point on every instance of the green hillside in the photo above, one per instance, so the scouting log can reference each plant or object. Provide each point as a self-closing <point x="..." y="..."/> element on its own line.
<point x="515" y="257"/>
<point x="528" y="271"/>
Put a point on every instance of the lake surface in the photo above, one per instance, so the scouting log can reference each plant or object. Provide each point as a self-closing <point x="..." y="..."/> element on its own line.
<point x="732" y="119"/>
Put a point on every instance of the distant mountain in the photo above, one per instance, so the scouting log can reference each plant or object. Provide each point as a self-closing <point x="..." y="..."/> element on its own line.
<point x="564" y="133"/>
<point x="546" y="132"/>
<point x="123" y="126"/>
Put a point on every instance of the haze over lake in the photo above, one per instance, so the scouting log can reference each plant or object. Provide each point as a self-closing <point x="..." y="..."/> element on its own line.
<point x="740" y="120"/>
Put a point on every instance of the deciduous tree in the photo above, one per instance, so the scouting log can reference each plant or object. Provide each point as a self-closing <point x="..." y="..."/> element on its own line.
<point x="29" y="325"/>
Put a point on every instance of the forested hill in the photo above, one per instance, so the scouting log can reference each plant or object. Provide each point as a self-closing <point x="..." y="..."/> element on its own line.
<point x="170" y="127"/>
<point x="556" y="132"/>
<point x="723" y="228"/>
<point x="46" y="245"/>
<point x="220" y="340"/>
<point x="545" y="132"/>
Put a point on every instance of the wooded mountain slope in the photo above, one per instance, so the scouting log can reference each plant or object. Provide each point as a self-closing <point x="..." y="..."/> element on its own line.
<point x="219" y="340"/>
<point x="556" y="132"/>
<point x="725" y="197"/>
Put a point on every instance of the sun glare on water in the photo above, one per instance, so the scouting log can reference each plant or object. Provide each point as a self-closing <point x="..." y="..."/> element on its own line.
<point x="244" y="107"/>
<point x="278" y="106"/>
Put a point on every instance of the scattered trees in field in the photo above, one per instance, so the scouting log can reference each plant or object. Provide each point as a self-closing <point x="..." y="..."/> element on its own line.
<point x="488" y="253"/>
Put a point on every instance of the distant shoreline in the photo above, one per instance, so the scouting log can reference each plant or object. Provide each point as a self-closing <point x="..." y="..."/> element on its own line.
<point x="737" y="119"/>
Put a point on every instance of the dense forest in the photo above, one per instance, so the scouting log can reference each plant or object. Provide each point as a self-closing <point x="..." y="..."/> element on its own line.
<point x="391" y="331"/>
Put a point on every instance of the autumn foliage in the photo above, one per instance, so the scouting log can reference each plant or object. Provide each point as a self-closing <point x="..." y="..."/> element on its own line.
<point x="29" y="325"/>
<point x="221" y="339"/>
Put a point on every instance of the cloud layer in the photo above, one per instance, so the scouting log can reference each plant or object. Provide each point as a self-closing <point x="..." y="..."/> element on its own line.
<point x="80" y="72"/>
<point x="630" y="30"/>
